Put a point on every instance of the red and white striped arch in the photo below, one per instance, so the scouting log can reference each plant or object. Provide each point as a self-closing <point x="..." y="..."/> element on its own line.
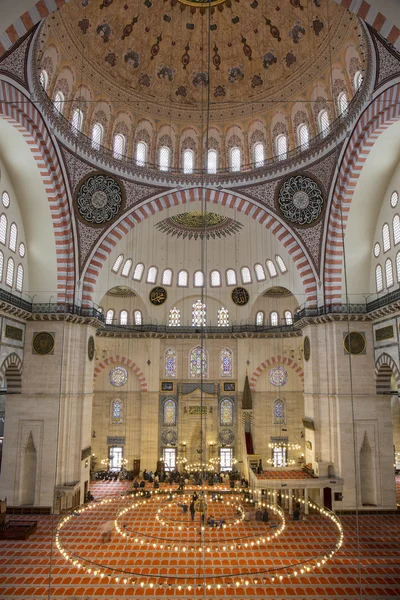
<point x="121" y="361"/>
<point x="22" y="114"/>
<point x="274" y="362"/>
<point x="248" y="207"/>
<point x="379" y="115"/>
<point x="43" y="8"/>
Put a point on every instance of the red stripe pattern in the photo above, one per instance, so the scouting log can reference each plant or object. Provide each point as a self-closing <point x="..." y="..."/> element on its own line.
<point x="385" y="367"/>
<point x="274" y="362"/>
<point x="126" y="362"/>
<point x="248" y="207"/>
<point x="379" y="115"/>
<point x="22" y="114"/>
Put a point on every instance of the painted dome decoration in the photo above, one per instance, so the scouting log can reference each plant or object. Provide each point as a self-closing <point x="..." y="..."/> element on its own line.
<point x="196" y="225"/>
<point x="300" y="200"/>
<point x="99" y="198"/>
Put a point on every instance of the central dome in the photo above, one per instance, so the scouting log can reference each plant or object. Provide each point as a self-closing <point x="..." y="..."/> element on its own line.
<point x="171" y="55"/>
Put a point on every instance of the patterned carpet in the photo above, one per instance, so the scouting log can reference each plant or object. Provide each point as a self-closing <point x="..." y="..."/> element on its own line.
<point x="370" y="569"/>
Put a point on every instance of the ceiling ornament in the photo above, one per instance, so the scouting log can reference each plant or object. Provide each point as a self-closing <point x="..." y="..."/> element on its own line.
<point x="355" y="343"/>
<point x="226" y="437"/>
<point x="43" y="343"/>
<point x="201" y="3"/>
<point x="99" y="199"/>
<point x="118" y="376"/>
<point x="300" y="200"/>
<point x="278" y="376"/>
<point x="121" y="291"/>
<point x="277" y="292"/>
<point x="169" y="437"/>
<point x="196" y="224"/>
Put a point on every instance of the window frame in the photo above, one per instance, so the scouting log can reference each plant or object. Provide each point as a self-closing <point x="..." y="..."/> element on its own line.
<point x="389" y="263"/>
<point x="59" y="100"/>
<point x="219" y="276"/>
<point x="79" y="126"/>
<point x="19" y="279"/>
<point x="188" y="169"/>
<point x="258" y="163"/>
<point x="378" y="269"/>
<point x="168" y="153"/>
<point x="235" y="168"/>
<point x="167" y="270"/>
<point x="115" y="268"/>
<point x="230" y="270"/>
<point x="281" y="155"/>
<point x="139" y="162"/>
<point x="96" y="144"/>
<point x="122" y="142"/>
<point x="262" y="313"/>
<point x="323" y="114"/>
<point x="138" y="265"/>
<point x="13" y="241"/>
<point x="274" y="315"/>
<point x="152" y="269"/>
<point x="385" y="227"/>
<point x="186" y="273"/>
<point x="10" y="261"/>
<point x="303" y="143"/>
<point x="126" y="269"/>
<point x="109" y="312"/>
<point x="214" y="170"/>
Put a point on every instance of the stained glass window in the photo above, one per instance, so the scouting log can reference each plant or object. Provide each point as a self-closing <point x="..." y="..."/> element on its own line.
<point x="226" y="412"/>
<point x="118" y="376"/>
<point x="123" y="317"/>
<point x="198" y="314"/>
<point x="167" y="277"/>
<point x="198" y="362"/>
<point x="117" y="264"/>
<point x="170" y="360"/>
<point x="223" y="317"/>
<point x="174" y="319"/>
<point x="226" y="363"/>
<point x="288" y="317"/>
<point x="246" y="275"/>
<point x="170" y="412"/>
<point x="109" y="317"/>
<point x="278" y="376"/>
<point x="260" y="318"/>
<point x="215" y="278"/>
<point x="279" y="411"/>
<point x="138" y="272"/>
<point x="274" y="319"/>
<point x="116" y="412"/>
<point x="137" y="315"/>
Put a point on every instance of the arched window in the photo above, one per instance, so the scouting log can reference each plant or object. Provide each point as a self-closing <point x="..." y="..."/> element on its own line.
<point x="152" y="275"/>
<point x="198" y="362"/>
<point x="164" y="158"/>
<point x="126" y="268"/>
<point x="378" y="278"/>
<point x="259" y="271"/>
<point x="226" y="412"/>
<point x="386" y="237"/>
<point x="118" y="145"/>
<point x="137" y="316"/>
<point x="188" y="161"/>
<point x="343" y="103"/>
<point x="198" y="279"/>
<point x="109" y="317"/>
<point x="44" y="79"/>
<point x="97" y="135"/>
<point x="396" y="229"/>
<point x="3" y="229"/>
<point x="274" y="319"/>
<point x="20" y="278"/>
<point x="303" y="134"/>
<point x="166" y="278"/>
<point x="223" y="317"/>
<point x="358" y="79"/>
<point x="123" y="317"/>
<point x="174" y="319"/>
<point x="77" y="120"/>
<point x="258" y="154"/>
<point x="5" y="198"/>
<point x="117" y="264"/>
<point x="231" y="277"/>
<point x="323" y="122"/>
<point x="170" y="361"/>
<point x="10" y="272"/>
<point x="59" y="102"/>
<point x="260" y="318"/>
<point x="271" y="268"/>
<point x="281" y="144"/>
<point x="394" y="198"/>
<point x="281" y="264"/>
<point x="212" y="162"/>
<point x="226" y="362"/>
<point x="215" y="278"/>
<point x="12" y="242"/>
<point x="288" y="317"/>
<point x="389" y="273"/>
<point x="377" y="249"/>
<point x="169" y="412"/>
<point x="235" y="158"/>
<point x="246" y="274"/>
<point x="1" y="265"/>
<point x="183" y="279"/>
<point x="199" y="314"/>
<point x="141" y="154"/>
<point x="116" y="412"/>
<point x="138" y="272"/>
<point x="279" y="415"/>
<point x="397" y="266"/>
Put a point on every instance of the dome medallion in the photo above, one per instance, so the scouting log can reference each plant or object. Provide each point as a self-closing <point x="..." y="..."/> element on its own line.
<point x="300" y="200"/>
<point x="201" y="3"/>
<point x="99" y="199"/>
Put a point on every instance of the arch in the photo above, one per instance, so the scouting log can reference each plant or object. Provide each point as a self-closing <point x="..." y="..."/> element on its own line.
<point x="212" y="196"/>
<point x="274" y="362"/>
<point x="121" y="360"/>
<point x="377" y="117"/>
<point x="22" y="114"/>
<point x="12" y="370"/>
<point x="384" y="368"/>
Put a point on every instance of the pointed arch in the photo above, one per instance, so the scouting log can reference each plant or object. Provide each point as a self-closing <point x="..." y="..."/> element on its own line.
<point x="385" y="367"/>
<point x="12" y="370"/>
<point x="121" y="360"/>
<point x="247" y="206"/>
<point x="274" y="362"/>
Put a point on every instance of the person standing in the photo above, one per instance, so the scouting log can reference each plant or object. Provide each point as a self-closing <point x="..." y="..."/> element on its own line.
<point x="192" y="510"/>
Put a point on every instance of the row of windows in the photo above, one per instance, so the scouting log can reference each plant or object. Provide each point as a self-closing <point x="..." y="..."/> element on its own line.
<point x="13" y="233"/>
<point x="199" y="317"/>
<point x="198" y="276"/>
<point x="386" y="238"/>
<point x="9" y="275"/>
<point x="171" y="362"/>
<point x="389" y="277"/>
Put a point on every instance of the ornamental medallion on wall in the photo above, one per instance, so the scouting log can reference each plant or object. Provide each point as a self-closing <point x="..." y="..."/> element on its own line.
<point x="99" y="198"/>
<point x="300" y="200"/>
